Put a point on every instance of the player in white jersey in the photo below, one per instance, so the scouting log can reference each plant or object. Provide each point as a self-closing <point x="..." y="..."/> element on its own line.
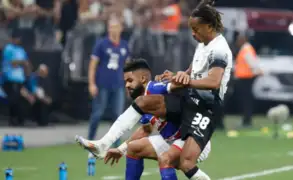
<point x="197" y="102"/>
<point x="210" y="74"/>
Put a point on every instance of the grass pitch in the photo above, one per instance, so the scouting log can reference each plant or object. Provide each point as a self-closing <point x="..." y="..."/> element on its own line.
<point x="252" y="151"/>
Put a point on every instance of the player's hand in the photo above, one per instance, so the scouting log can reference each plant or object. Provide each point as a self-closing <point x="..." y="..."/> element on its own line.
<point x="114" y="155"/>
<point x="181" y="78"/>
<point x="167" y="75"/>
<point x="93" y="89"/>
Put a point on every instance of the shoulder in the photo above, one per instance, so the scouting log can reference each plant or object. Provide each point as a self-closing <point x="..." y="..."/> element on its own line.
<point x="101" y="41"/>
<point x="8" y="47"/>
<point x="221" y="50"/>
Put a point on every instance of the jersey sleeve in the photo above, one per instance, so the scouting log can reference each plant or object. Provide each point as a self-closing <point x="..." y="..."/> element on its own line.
<point x="97" y="50"/>
<point x="147" y="119"/>
<point x="155" y="87"/>
<point x="218" y="58"/>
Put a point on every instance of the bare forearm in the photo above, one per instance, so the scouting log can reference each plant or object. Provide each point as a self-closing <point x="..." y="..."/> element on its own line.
<point x="205" y="84"/>
<point x="92" y="71"/>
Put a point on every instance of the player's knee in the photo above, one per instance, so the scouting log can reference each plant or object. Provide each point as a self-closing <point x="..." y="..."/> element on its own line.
<point x="165" y="160"/>
<point x="133" y="150"/>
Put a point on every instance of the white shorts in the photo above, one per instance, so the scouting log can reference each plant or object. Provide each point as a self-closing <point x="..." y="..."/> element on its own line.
<point x="161" y="146"/>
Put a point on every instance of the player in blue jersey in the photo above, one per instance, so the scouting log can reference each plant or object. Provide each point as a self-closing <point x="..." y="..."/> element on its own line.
<point x="142" y="144"/>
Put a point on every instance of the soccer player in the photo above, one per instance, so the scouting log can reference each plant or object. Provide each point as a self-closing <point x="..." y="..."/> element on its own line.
<point x="198" y="100"/>
<point x="137" y="76"/>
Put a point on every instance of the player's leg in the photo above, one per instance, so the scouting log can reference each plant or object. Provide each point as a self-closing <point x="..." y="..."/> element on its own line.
<point x="99" y="104"/>
<point x="190" y="155"/>
<point x="168" y="106"/>
<point x="196" y="129"/>
<point x="117" y="104"/>
<point x="168" y="161"/>
<point x="172" y="157"/>
<point x="144" y="104"/>
<point x="137" y="150"/>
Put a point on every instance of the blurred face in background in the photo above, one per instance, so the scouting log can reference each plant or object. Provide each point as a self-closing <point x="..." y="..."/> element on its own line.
<point x="114" y="27"/>
<point x="241" y="39"/>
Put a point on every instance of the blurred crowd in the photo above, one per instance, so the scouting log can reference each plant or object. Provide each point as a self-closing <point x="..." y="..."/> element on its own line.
<point x="64" y="15"/>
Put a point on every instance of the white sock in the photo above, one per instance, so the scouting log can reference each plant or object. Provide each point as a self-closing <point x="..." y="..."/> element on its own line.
<point x="125" y="122"/>
<point x="200" y="175"/>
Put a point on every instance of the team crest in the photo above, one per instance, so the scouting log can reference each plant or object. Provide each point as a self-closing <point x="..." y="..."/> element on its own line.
<point x="123" y="51"/>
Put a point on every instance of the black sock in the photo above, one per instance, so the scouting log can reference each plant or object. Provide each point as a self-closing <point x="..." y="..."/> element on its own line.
<point x="191" y="172"/>
<point x="137" y="108"/>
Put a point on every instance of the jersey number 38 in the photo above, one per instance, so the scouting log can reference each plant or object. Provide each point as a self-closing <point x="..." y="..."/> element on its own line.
<point x="201" y="121"/>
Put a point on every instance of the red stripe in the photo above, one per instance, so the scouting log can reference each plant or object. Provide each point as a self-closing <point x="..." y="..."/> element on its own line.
<point x="131" y="157"/>
<point x="177" y="147"/>
<point x="153" y="120"/>
<point x="163" y="124"/>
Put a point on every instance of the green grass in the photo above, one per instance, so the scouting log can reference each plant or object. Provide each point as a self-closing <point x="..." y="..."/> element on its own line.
<point x="229" y="157"/>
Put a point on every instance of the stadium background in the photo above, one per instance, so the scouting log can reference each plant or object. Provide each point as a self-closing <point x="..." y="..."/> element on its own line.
<point x="254" y="150"/>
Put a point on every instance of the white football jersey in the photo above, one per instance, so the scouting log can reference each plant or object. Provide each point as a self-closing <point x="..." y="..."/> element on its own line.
<point x="216" y="53"/>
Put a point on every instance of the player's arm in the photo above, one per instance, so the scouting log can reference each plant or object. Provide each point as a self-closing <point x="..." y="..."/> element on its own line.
<point x="143" y="131"/>
<point x="116" y="153"/>
<point x="218" y="62"/>
<point x="212" y="81"/>
<point x="94" y="61"/>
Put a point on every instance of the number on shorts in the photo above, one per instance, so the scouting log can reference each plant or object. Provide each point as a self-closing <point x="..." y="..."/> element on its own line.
<point x="201" y="121"/>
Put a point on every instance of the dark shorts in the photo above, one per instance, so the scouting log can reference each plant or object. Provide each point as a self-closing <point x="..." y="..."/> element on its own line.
<point x="195" y="116"/>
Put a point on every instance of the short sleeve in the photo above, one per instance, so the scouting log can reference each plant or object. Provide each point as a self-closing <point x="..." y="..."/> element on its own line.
<point x="155" y="87"/>
<point x="97" y="50"/>
<point x="217" y="58"/>
<point x="146" y="119"/>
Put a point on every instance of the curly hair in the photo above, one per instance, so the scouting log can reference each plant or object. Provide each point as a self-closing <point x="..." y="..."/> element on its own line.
<point x="208" y="14"/>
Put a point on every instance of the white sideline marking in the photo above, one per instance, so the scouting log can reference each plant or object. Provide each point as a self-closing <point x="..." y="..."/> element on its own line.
<point x="260" y="173"/>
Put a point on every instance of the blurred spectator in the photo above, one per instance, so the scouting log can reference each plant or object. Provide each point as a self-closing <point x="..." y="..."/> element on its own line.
<point x="246" y="70"/>
<point x="170" y="16"/>
<point x="46" y="8"/>
<point x="106" y="82"/>
<point x="12" y="8"/>
<point x="68" y="17"/>
<point x="37" y="96"/>
<point x="89" y="10"/>
<point x="15" y="66"/>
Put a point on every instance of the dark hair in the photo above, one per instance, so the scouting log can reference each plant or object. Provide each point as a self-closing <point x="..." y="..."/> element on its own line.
<point x="136" y="64"/>
<point x="208" y="14"/>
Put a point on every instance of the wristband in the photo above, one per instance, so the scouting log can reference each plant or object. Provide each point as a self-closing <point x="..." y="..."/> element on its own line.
<point x="123" y="148"/>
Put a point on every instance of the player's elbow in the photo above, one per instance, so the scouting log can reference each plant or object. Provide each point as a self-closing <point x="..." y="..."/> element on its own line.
<point x="214" y="84"/>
